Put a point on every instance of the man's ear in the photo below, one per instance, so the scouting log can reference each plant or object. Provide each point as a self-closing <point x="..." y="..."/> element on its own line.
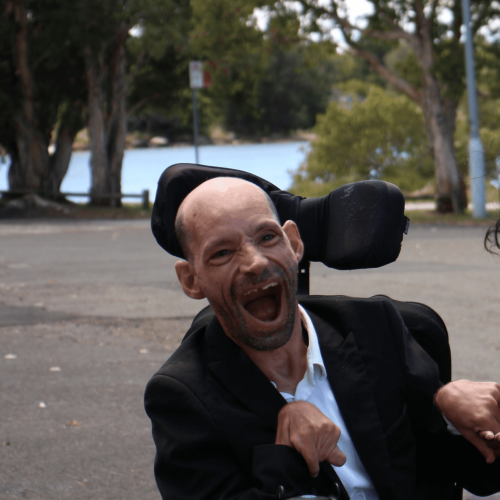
<point x="188" y="279"/>
<point x="292" y="232"/>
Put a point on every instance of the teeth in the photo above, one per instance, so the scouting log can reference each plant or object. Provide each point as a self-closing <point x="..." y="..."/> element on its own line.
<point x="274" y="283"/>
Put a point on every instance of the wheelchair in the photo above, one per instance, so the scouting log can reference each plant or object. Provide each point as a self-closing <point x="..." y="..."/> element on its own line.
<point x="357" y="226"/>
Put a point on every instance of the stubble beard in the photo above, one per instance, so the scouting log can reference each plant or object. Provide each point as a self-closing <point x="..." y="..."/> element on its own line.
<point x="237" y="325"/>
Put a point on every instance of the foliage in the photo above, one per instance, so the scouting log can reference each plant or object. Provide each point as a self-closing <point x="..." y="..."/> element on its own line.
<point x="488" y="76"/>
<point x="56" y="66"/>
<point x="489" y="133"/>
<point x="429" y="68"/>
<point x="226" y="37"/>
<point x="10" y="97"/>
<point x="381" y="136"/>
<point x="158" y="65"/>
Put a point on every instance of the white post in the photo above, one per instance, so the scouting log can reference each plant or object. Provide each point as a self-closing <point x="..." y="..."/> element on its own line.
<point x="476" y="153"/>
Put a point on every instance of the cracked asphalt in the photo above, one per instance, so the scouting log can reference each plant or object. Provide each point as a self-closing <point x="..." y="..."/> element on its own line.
<point x="90" y="309"/>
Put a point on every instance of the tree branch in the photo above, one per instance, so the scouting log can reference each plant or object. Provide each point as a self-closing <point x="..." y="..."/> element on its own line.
<point x="397" y="33"/>
<point x="426" y="54"/>
<point x="484" y="13"/>
<point x="398" y="82"/>
<point x="433" y="10"/>
<point x="23" y="70"/>
<point x="388" y="35"/>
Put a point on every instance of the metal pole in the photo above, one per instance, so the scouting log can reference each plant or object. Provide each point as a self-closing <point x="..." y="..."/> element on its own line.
<point x="476" y="153"/>
<point x="195" y="125"/>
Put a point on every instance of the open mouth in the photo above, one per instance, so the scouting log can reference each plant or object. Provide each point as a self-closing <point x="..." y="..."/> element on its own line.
<point x="263" y="302"/>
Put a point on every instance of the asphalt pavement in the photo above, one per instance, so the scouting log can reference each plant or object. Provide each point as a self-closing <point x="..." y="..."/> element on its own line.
<point x="90" y="309"/>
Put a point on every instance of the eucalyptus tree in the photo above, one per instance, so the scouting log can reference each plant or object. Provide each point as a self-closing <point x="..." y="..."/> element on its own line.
<point x="431" y="74"/>
<point x="42" y="93"/>
<point x="110" y="67"/>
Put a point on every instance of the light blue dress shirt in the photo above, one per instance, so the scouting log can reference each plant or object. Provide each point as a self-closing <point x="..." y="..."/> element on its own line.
<point x="315" y="388"/>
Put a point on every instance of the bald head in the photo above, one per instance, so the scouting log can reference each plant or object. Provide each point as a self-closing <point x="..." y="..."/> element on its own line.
<point x="214" y="198"/>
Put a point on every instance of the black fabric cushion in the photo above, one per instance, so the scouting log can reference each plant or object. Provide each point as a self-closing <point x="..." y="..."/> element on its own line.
<point x="359" y="225"/>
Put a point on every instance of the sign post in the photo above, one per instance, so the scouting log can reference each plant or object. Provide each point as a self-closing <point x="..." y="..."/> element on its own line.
<point x="195" y="82"/>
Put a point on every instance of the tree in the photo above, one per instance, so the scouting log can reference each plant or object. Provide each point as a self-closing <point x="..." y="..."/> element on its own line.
<point x="159" y="89"/>
<point x="104" y="32"/>
<point x="226" y="37"/>
<point x="368" y="132"/>
<point x="39" y="92"/>
<point x="432" y="74"/>
<point x="488" y="77"/>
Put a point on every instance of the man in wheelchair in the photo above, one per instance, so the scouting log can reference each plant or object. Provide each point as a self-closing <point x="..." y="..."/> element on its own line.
<point x="309" y="395"/>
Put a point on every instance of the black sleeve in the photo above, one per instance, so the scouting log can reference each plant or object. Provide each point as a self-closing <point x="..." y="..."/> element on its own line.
<point x="461" y="460"/>
<point x="194" y="461"/>
<point x="421" y="375"/>
<point x="468" y="467"/>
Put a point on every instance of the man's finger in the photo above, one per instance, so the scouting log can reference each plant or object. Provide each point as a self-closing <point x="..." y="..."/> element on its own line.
<point x="311" y="457"/>
<point x="337" y="457"/>
<point x="283" y="432"/>
<point x="491" y="440"/>
<point x="481" y="445"/>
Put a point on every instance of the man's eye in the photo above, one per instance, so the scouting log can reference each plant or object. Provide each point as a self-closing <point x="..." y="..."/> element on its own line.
<point x="221" y="253"/>
<point x="268" y="237"/>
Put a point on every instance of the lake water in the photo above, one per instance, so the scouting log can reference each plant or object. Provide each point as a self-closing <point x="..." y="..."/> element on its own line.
<point x="143" y="167"/>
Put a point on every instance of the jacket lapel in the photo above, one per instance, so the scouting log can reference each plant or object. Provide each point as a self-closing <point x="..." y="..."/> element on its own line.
<point x="353" y="392"/>
<point x="234" y="370"/>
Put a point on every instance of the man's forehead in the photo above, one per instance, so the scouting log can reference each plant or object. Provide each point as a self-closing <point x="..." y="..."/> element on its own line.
<point x="222" y="195"/>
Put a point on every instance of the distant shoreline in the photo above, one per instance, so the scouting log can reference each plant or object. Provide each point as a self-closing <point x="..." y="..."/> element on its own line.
<point x="158" y="142"/>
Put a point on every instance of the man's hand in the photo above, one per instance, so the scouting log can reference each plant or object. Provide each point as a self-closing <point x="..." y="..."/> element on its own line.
<point x="303" y="426"/>
<point x="474" y="409"/>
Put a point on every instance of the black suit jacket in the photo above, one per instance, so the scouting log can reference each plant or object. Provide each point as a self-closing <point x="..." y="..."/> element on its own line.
<point x="214" y="414"/>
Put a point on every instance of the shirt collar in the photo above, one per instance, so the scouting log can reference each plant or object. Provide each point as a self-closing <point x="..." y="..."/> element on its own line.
<point x="314" y="357"/>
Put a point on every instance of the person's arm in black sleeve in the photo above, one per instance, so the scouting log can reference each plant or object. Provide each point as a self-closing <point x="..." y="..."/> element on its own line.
<point x="469" y="468"/>
<point x="421" y="374"/>
<point x="194" y="461"/>
<point x="465" y="463"/>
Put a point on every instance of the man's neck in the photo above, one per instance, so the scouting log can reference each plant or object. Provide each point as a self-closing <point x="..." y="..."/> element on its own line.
<point x="284" y="366"/>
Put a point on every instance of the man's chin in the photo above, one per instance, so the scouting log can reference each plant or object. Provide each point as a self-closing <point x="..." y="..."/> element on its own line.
<point x="265" y="335"/>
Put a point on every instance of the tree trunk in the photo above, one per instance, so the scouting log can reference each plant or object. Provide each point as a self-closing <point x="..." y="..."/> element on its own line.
<point x="100" y="183"/>
<point x="32" y="162"/>
<point x="439" y="112"/>
<point x="117" y="124"/>
<point x="31" y="165"/>
<point x="107" y="137"/>
<point x="71" y="123"/>
<point x="440" y="124"/>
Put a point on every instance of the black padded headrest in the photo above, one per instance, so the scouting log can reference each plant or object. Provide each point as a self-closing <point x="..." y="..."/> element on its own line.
<point x="359" y="225"/>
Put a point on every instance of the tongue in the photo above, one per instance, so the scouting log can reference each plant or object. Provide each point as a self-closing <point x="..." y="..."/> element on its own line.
<point x="264" y="309"/>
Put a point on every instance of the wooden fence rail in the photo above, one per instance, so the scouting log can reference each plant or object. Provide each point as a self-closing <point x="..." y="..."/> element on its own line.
<point x="144" y="196"/>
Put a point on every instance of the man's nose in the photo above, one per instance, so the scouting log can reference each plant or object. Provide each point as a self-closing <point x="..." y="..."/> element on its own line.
<point x="252" y="261"/>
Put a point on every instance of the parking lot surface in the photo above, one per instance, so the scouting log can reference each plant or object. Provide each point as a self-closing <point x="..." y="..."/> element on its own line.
<point x="90" y="309"/>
